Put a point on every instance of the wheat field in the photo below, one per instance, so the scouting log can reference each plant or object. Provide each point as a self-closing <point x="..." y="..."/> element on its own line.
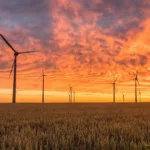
<point x="75" y="126"/>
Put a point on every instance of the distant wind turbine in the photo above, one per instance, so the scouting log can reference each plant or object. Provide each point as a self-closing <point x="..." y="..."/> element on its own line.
<point x="69" y="97"/>
<point x="14" y="66"/>
<point x="140" y="95"/>
<point x="123" y="97"/>
<point x="136" y="81"/>
<point x="114" y="90"/>
<point x="43" y="86"/>
<point x="70" y="92"/>
<point x="74" y="96"/>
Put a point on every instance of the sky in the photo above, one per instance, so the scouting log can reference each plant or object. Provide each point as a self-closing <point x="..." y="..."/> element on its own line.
<point x="84" y="43"/>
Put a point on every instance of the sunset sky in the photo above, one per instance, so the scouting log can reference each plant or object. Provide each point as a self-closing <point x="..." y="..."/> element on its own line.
<point x="84" y="43"/>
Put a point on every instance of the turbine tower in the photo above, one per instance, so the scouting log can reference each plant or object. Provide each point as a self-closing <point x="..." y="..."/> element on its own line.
<point x="123" y="97"/>
<point x="114" y="90"/>
<point x="43" y="86"/>
<point x="74" y="96"/>
<point x="70" y="94"/>
<point x="136" y="81"/>
<point x="140" y="95"/>
<point x="14" y="66"/>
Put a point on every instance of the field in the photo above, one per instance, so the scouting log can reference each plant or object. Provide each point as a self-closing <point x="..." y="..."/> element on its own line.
<point x="75" y="126"/>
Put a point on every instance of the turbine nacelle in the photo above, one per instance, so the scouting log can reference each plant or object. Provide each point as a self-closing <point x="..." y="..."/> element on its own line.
<point x="16" y="54"/>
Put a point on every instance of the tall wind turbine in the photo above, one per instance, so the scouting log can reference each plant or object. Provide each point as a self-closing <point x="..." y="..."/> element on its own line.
<point x="14" y="66"/>
<point x="114" y="90"/>
<point x="43" y="86"/>
<point x="136" y="81"/>
<point x="70" y="92"/>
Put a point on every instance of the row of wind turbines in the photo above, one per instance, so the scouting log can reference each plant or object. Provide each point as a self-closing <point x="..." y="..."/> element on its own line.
<point x="71" y="95"/>
<point x="71" y="90"/>
<point x="14" y="70"/>
<point x="123" y="96"/>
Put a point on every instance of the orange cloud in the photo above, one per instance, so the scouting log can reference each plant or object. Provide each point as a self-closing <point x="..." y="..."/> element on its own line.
<point x="82" y="43"/>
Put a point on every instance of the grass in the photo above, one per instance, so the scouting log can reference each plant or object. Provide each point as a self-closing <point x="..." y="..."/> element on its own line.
<point x="75" y="127"/>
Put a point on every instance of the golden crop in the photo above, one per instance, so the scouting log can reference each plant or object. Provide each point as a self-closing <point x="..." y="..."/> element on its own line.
<point x="75" y="126"/>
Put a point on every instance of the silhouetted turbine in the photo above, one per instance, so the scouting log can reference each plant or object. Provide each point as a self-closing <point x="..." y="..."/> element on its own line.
<point x="114" y="90"/>
<point x="140" y="95"/>
<point x="123" y="97"/>
<point x="136" y="81"/>
<point x="14" y="66"/>
<point x="70" y="91"/>
<point x="69" y="96"/>
<point x="43" y="87"/>
<point x="74" y="96"/>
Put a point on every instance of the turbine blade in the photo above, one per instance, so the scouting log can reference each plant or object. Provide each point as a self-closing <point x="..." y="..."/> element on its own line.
<point x="138" y="82"/>
<point x="40" y="77"/>
<point x="117" y="78"/>
<point x="27" y="52"/>
<point x="11" y="69"/>
<point x="7" y="42"/>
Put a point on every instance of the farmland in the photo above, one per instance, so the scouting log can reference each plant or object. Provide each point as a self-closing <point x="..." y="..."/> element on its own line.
<point x="75" y="126"/>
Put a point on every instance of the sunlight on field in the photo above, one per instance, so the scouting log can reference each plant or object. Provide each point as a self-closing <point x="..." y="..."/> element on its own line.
<point x="75" y="126"/>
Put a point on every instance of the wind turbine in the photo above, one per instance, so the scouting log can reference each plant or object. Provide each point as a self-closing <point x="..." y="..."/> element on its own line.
<point x="114" y="90"/>
<point x="69" y="97"/>
<point x="136" y="81"/>
<point x="140" y="95"/>
<point x="74" y="96"/>
<point x="70" y="92"/>
<point x="43" y="87"/>
<point x="14" y="66"/>
<point x="123" y="97"/>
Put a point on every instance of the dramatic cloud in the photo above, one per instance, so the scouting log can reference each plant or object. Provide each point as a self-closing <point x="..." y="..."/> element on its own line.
<point x="80" y="42"/>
